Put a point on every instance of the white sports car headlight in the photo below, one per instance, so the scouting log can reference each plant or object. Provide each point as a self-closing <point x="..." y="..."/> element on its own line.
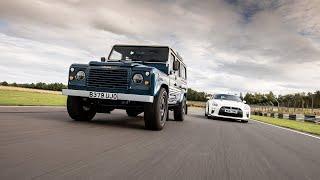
<point x="246" y="108"/>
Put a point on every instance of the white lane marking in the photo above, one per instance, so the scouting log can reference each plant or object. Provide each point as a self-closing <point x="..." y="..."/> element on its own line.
<point x="288" y="129"/>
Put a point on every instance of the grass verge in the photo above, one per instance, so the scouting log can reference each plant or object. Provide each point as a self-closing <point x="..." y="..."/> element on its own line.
<point x="296" y="125"/>
<point x="30" y="98"/>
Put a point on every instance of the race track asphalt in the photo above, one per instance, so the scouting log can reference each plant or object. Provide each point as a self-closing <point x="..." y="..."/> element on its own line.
<point x="44" y="143"/>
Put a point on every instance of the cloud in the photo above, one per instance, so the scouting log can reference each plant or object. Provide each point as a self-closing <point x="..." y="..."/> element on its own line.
<point x="228" y="45"/>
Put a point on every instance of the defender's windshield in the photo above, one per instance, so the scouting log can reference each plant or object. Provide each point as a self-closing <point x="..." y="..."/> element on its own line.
<point x="139" y="53"/>
<point x="227" y="97"/>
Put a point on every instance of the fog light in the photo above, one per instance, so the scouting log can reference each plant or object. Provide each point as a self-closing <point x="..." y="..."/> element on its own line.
<point x="146" y="82"/>
<point x="71" y="78"/>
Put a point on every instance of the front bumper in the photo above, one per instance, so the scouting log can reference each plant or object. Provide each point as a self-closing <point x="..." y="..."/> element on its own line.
<point x="228" y="117"/>
<point x="214" y="112"/>
<point x="121" y="96"/>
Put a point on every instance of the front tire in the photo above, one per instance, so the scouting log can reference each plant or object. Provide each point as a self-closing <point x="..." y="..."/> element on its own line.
<point x="80" y="110"/>
<point x="156" y="113"/>
<point x="180" y="111"/>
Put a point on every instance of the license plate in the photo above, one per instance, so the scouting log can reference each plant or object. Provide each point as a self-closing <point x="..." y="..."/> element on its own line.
<point x="231" y="111"/>
<point x="103" y="95"/>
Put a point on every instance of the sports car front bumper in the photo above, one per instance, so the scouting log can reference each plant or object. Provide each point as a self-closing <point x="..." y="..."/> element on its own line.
<point x="216" y="112"/>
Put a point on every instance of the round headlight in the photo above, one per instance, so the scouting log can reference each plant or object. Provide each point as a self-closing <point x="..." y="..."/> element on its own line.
<point x="81" y="75"/>
<point x="137" y="78"/>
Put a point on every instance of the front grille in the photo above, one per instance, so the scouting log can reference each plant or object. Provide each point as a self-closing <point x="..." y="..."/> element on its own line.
<point x="108" y="78"/>
<point x="223" y="113"/>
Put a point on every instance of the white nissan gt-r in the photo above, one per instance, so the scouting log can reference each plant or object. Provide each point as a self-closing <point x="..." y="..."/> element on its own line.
<point x="227" y="106"/>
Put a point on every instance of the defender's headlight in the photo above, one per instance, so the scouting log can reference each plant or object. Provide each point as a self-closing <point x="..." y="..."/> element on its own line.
<point x="137" y="78"/>
<point x="81" y="75"/>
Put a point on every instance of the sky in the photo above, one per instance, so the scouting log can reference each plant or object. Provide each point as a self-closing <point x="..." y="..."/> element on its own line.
<point x="228" y="45"/>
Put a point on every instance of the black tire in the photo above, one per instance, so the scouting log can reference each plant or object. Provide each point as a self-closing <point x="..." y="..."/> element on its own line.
<point x="132" y="113"/>
<point x="156" y="113"/>
<point x="179" y="112"/>
<point x="80" y="110"/>
<point x="244" y="121"/>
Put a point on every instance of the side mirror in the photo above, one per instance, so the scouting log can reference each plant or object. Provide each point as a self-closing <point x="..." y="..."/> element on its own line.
<point x="244" y="101"/>
<point x="176" y="65"/>
<point x="208" y="97"/>
<point x="103" y="59"/>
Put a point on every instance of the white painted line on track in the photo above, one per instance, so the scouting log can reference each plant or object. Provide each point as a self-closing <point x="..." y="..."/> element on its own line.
<point x="288" y="129"/>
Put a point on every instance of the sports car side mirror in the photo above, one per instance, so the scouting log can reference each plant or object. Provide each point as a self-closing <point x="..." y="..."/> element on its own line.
<point x="208" y="97"/>
<point x="244" y="101"/>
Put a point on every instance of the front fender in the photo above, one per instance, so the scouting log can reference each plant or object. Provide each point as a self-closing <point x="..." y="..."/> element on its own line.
<point x="159" y="79"/>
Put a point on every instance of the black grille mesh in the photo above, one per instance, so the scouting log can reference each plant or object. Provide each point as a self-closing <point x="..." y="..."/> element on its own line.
<point x="223" y="113"/>
<point x="108" y="78"/>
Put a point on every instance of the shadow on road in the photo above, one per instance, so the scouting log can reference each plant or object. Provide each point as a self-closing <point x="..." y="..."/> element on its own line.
<point x="116" y="121"/>
<point x="134" y="123"/>
<point x="214" y="119"/>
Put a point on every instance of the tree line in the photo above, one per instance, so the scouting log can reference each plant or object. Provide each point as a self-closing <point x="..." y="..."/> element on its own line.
<point x="194" y="95"/>
<point x="39" y="85"/>
<point x="297" y="100"/>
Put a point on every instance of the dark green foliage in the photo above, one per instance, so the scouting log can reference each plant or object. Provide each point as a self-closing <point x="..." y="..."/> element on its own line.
<point x="4" y="83"/>
<point x="39" y="85"/>
<point x="193" y="95"/>
<point x="298" y="100"/>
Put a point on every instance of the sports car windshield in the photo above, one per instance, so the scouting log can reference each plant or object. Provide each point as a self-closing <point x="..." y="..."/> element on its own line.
<point x="227" y="97"/>
<point x="139" y="53"/>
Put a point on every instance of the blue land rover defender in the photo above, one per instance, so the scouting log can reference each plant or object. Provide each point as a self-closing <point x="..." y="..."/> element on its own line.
<point x="149" y="79"/>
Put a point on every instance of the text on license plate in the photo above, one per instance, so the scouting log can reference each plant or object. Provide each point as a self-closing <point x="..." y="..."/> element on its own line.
<point x="231" y="111"/>
<point x="103" y="95"/>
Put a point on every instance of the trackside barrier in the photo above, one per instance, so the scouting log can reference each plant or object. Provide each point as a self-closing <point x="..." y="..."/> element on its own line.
<point x="292" y="116"/>
<point x="280" y="116"/>
<point x="296" y="117"/>
<point x="310" y="118"/>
